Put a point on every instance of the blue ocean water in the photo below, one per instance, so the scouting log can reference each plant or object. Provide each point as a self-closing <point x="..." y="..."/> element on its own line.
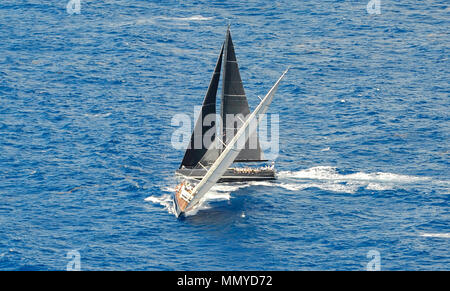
<point x="86" y="162"/>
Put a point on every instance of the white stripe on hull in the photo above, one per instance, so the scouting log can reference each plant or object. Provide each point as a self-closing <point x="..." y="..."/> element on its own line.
<point x="235" y="177"/>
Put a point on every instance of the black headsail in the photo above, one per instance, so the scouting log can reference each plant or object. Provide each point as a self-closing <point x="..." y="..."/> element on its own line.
<point x="196" y="149"/>
<point x="235" y="102"/>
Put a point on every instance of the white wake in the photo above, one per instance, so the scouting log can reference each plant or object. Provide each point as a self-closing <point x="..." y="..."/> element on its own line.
<point x="438" y="235"/>
<point x="219" y="192"/>
<point x="329" y="179"/>
<point x="322" y="177"/>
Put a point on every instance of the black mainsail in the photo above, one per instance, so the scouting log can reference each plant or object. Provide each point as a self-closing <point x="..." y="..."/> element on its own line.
<point x="234" y="102"/>
<point x="196" y="149"/>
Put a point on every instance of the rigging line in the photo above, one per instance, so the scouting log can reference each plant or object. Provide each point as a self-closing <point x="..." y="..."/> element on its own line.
<point x="203" y="166"/>
<point x="240" y="119"/>
<point x="221" y="141"/>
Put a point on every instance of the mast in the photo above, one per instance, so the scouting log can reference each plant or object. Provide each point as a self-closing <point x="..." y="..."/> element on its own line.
<point x="196" y="149"/>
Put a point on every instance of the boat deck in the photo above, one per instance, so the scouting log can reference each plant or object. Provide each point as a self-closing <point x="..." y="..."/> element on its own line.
<point x="232" y="174"/>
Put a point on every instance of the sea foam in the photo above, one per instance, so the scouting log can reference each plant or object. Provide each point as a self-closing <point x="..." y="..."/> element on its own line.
<point x="321" y="177"/>
<point x="438" y="235"/>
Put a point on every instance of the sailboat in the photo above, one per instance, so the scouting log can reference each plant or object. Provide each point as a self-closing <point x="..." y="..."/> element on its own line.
<point x="199" y="157"/>
<point x="189" y="193"/>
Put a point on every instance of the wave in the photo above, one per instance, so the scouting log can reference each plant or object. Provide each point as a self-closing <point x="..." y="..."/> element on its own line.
<point x="165" y="200"/>
<point x="331" y="173"/>
<point x="328" y="178"/>
<point x="438" y="235"/>
<point x="154" y="20"/>
<point x="321" y="177"/>
<point x="194" y="18"/>
<point x="220" y="192"/>
<point x="98" y="114"/>
<point x="190" y="18"/>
